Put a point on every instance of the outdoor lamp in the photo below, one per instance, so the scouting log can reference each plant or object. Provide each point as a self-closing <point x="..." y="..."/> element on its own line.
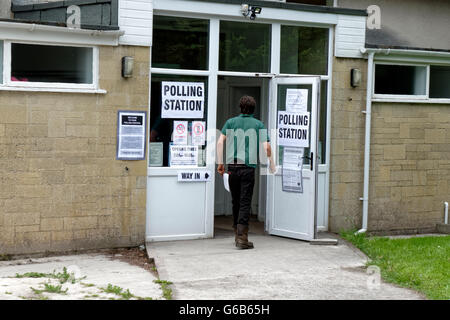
<point x="355" y="79"/>
<point x="127" y="67"/>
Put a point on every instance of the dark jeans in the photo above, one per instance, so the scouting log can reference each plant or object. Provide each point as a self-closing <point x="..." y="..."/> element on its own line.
<point x="242" y="181"/>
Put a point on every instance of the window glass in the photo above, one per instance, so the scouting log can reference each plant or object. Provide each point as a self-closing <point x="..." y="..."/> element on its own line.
<point x="400" y="80"/>
<point x="439" y="82"/>
<point x="162" y="127"/>
<point x="281" y="103"/>
<point x="244" y="47"/>
<point x="323" y="122"/>
<point x="304" y="50"/>
<point x="39" y="63"/>
<point x="180" y="43"/>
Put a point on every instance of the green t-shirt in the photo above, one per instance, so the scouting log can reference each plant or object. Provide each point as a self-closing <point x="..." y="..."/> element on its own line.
<point x="244" y="134"/>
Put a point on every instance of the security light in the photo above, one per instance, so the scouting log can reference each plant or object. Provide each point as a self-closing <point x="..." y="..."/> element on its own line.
<point x="255" y="11"/>
<point x="249" y="11"/>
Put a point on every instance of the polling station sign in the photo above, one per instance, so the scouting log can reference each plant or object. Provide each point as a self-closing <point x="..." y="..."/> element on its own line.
<point x="182" y="100"/>
<point x="293" y="129"/>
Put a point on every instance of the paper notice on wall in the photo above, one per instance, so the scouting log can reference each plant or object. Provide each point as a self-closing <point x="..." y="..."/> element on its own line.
<point x="297" y="100"/>
<point x="155" y="154"/>
<point x="180" y="132"/>
<point x="198" y="133"/>
<point x="226" y="181"/>
<point x="131" y="133"/>
<point x="181" y="156"/>
<point x="182" y="100"/>
<point x="292" y="178"/>
<point x="293" y="129"/>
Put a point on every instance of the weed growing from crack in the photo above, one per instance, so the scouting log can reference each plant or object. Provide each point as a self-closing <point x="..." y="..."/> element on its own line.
<point x="167" y="292"/>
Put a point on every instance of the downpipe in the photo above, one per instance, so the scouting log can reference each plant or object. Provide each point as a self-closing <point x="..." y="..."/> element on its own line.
<point x="446" y="212"/>
<point x="368" y="113"/>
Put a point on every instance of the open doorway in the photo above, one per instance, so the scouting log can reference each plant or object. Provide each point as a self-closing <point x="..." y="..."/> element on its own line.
<point x="230" y="90"/>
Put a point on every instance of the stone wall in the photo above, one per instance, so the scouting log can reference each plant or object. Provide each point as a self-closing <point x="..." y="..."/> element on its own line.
<point x="409" y="160"/>
<point x="347" y="146"/>
<point x="60" y="185"/>
<point x="410" y="166"/>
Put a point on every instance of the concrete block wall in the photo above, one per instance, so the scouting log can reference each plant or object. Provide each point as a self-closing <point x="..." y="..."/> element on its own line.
<point x="409" y="160"/>
<point x="347" y="146"/>
<point x="410" y="166"/>
<point x="60" y="185"/>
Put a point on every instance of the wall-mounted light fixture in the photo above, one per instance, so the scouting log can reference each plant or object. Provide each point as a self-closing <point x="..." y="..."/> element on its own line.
<point x="249" y="11"/>
<point x="355" y="78"/>
<point x="127" y="67"/>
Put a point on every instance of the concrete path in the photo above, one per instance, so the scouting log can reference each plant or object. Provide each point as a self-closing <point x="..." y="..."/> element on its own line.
<point x="92" y="273"/>
<point x="277" y="268"/>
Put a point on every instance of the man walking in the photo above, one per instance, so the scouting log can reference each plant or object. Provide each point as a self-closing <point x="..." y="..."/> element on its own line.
<point x="243" y="135"/>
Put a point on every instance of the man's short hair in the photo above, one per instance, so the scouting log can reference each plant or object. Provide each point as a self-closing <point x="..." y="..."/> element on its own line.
<point x="247" y="105"/>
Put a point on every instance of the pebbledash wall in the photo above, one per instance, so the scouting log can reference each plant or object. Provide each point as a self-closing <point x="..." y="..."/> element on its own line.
<point x="61" y="187"/>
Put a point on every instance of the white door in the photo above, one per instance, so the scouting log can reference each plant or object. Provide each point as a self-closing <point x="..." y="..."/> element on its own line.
<point x="293" y="214"/>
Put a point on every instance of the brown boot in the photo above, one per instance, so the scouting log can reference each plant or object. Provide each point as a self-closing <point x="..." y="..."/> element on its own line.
<point x="235" y="234"/>
<point x="242" y="237"/>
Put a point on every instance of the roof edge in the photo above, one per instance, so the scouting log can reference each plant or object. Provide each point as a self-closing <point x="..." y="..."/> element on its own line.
<point x="293" y="6"/>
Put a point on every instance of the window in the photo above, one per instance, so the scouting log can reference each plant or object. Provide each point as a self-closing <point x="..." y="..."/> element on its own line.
<point x="400" y="79"/>
<point x="304" y="50"/>
<point x="57" y="64"/>
<point x="180" y="43"/>
<point x="244" y="47"/>
<point x="440" y="82"/>
<point x="411" y="83"/>
<point x="162" y="128"/>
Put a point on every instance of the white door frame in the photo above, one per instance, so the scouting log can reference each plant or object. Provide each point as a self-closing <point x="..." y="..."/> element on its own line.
<point x="315" y="121"/>
<point x="178" y="8"/>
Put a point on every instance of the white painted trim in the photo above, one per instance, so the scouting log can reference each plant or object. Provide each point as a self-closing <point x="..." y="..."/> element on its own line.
<point x="150" y="238"/>
<point x="61" y="90"/>
<point x="245" y="74"/>
<point x="50" y="34"/>
<point x="226" y="11"/>
<point x="214" y="33"/>
<point x="418" y="101"/>
<point x="180" y="72"/>
<point x="329" y="79"/>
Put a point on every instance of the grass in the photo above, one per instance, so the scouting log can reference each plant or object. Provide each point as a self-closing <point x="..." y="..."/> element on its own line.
<point x="63" y="276"/>
<point x="125" y="294"/>
<point x="420" y="263"/>
<point x="167" y="292"/>
<point x="49" y="288"/>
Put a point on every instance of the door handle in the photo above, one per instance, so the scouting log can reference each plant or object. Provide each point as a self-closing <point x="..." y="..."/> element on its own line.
<point x="311" y="159"/>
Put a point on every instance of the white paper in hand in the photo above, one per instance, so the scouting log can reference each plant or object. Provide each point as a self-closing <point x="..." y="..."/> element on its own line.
<point x="226" y="183"/>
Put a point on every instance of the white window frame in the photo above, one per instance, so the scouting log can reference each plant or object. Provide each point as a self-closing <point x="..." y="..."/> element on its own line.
<point x="402" y="96"/>
<point x="408" y="98"/>
<point x="9" y="85"/>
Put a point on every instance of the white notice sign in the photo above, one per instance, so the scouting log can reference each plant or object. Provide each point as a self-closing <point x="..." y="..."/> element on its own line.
<point x="180" y="132"/>
<point x="194" y="176"/>
<point x="198" y="133"/>
<point x="293" y="129"/>
<point x="183" y="156"/>
<point x="297" y="100"/>
<point x="292" y="179"/>
<point x="131" y="134"/>
<point x="182" y="100"/>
